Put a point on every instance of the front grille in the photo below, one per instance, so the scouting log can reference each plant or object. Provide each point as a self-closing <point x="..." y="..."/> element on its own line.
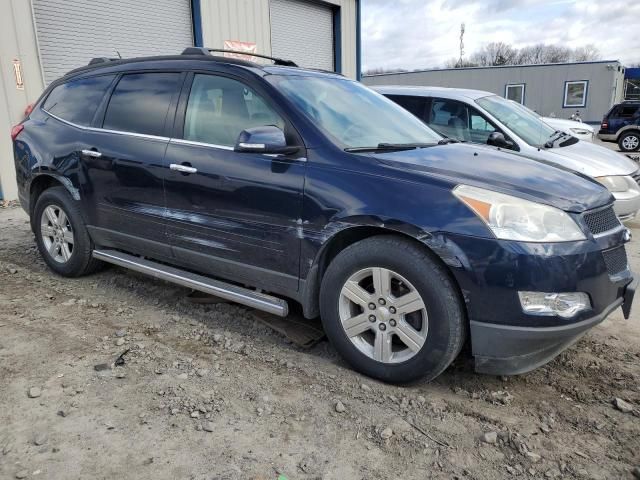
<point x="616" y="260"/>
<point x="636" y="177"/>
<point x="601" y="220"/>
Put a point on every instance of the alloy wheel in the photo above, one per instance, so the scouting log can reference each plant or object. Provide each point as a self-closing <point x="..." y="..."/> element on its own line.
<point x="57" y="233"/>
<point x="630" y="143"/>
<point x="383" y="315"/>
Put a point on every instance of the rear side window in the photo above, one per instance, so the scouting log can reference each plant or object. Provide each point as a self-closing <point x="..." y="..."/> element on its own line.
<point x="627" y="111"/>
<point x="78" y="100"/>
<point x="415" y="105"/>
<point x="140" y="103"/>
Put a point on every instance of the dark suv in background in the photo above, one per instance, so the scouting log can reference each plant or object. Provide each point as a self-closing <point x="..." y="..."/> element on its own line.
<point x="267" y="185"/>
<point x="622" y="124"/>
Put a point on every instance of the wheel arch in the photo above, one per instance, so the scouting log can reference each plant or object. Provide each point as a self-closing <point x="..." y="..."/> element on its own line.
<point x="440" y="250"/>
<point x="43" y="182"/>
<point x="626" y="129"/>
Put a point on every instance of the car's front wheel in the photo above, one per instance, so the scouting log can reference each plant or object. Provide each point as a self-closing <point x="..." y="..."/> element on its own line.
<point x="391" y="310"/>
<point x="62" y="238"/>
<point x="629" y="141"/>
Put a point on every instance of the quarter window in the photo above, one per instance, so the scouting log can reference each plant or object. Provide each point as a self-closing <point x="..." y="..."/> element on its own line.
<point x="78" y="100"/>
<point x="575" y="94"/>
<point x="515" y="92"/>
<point x="140" y="103"/>
<point x="219" y="108"/>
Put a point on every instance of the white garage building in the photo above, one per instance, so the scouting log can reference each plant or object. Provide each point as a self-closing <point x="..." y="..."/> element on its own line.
<point x="41" y="40"/>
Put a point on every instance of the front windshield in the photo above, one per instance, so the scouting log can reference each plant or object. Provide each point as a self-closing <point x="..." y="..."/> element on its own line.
<point x="524" y="124"/>
<point x="351" y="114"/>
<point x="526" y="109"/>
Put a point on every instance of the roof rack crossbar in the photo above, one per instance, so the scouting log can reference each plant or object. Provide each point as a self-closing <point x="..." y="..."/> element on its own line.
<point x="207" y="51"/>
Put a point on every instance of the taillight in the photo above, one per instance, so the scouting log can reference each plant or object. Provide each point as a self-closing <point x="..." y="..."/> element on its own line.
<point x="15" y="131"/>
<point x="28" y="110"/>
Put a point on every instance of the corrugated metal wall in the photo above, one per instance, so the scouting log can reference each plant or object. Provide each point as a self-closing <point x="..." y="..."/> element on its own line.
<point x="248" y="21"/>
<point x="296" y="26"/>
<point x="243" y="20"/>
<point x="544" y="90"/>
<point x="72" y="32"/>
<point x="17" y="41"/>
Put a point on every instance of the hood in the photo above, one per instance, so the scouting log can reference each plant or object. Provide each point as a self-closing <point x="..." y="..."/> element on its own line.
<point x="562" y="124"/>
<point x="590" y="159"/>
<point x="503" y="172"/>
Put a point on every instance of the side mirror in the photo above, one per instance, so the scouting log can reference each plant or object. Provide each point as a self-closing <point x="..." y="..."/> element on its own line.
<point x="267" y="139"/>
<point x="497" y="139"/>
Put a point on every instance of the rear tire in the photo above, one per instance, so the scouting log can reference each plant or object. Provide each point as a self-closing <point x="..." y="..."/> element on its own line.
<point x="61" y="235"/>
<point x="629" y="141"/>
<point x="411" y="328"/>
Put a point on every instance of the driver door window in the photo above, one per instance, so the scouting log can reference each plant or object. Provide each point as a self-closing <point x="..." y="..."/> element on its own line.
<point x="219" y="108"/>
<point x="450" y="118"/>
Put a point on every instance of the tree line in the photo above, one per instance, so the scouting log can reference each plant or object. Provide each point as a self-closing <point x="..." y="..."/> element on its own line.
<point x="501" y="53"/>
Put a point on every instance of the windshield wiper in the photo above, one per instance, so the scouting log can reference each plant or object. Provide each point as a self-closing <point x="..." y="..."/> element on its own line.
<point x="447" y="141"/>
<point x="389" y="147"/>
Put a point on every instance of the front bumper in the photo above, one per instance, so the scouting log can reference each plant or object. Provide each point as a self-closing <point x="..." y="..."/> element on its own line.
<point x="512" y="350"/>
<point x="627" y="204"/>
<point x="491" y="272"/>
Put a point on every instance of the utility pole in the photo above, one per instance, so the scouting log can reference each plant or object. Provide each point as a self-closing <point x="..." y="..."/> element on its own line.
<point x="461" y="44"/>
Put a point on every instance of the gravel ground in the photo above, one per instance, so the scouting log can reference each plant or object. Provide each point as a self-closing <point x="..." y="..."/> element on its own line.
<point x="207" y="392"/>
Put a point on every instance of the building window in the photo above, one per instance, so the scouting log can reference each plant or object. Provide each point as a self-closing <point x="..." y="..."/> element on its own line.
<point x="575" y="93"/>
<point x="515" y="92"/>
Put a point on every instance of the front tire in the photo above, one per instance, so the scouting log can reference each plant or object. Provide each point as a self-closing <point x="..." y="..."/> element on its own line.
<point x="61" y="235"/>
<point x="391" y="310"/>
<point x="629" y="141"/>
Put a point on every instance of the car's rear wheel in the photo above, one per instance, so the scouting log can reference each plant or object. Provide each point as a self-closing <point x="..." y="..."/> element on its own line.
<point x="391" y="310"/>
<point x="61" y="236"/>
<point x="629" y="141"/>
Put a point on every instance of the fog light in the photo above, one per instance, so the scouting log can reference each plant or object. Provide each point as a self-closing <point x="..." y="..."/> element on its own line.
<point x="563" y="305"/>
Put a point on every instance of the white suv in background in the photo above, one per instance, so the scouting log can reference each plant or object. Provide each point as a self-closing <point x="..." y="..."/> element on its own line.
<point x="483" y="117"/>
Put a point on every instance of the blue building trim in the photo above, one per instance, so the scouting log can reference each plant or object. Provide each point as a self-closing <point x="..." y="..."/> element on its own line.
<point x="632" y="73"/>
<point x="196" y="18"/>
<point x="358" y="41"/>
<point x="337" y="39"/>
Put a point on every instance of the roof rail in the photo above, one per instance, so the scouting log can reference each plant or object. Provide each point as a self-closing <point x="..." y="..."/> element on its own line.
<point x="207" y="51"/>
<point x="97" y="60"/>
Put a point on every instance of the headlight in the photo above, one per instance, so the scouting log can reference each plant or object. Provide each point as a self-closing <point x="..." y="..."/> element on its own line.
<point x="580" y="131"/>
<point x="616" y="183"/>
<point x="512" y="218"/>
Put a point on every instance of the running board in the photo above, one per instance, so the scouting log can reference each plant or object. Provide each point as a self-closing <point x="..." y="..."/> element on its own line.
<point x="201" y="283"/>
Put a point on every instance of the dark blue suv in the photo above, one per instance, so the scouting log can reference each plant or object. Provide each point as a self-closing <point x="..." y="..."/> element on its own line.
<point x="268" y="185"/>
<point x="621" y="124"/>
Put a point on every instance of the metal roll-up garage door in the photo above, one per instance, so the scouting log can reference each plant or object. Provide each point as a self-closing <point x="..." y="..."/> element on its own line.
<point x="303" y="32"/>
<point x="72" y="32"/>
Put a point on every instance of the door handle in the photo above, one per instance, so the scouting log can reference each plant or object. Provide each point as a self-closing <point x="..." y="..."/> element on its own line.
<point x="91" y="153"/>
<point x="183" y="168"/>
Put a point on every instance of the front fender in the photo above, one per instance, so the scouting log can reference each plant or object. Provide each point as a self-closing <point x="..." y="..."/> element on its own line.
<point x="338" y="235"/>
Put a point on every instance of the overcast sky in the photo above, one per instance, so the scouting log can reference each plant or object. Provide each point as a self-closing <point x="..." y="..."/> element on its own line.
<point x="425" y="33"/>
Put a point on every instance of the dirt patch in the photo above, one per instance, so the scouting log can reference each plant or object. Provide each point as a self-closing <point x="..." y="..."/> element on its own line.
<point x="209" y="392"/>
